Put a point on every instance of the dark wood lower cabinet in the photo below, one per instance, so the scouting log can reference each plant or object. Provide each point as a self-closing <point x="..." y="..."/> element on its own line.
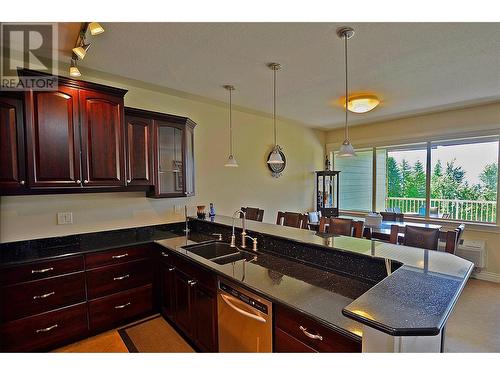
<point x="183" y="302"/>
<point x="44" y="331"/>
<point x="166" y="295"/>
<point x="107" y="312"/>
<point x="205" y="321"/>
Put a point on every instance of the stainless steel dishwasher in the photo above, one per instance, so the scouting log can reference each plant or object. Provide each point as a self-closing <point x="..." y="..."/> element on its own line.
<point x="245" y="320"/>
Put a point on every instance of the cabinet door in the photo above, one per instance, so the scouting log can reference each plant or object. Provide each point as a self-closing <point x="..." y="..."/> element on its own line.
<point x="182" y="295"/>
<point x="167" y="289"/>
<point x="189" y="161"/>
<point x="139" y="161"/>
<point x="12" y="167"/>
<point x="170" y="163"/>
<point x="53" y="138"/>
<point x="103" y="162"/>
<point x="205" y="320"/>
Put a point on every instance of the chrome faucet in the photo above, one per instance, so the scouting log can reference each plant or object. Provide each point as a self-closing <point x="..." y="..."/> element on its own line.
<point x="254" y="240"/>
<point x="243" y="234"/>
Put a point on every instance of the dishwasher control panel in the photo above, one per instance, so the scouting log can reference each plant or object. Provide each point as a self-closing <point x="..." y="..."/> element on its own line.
<point x="243" y="297"/>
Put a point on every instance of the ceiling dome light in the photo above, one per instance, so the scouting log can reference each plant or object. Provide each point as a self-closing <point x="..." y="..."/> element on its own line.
<point x="73" y="69"/>
<point x="362" y="103"/>
<point x="95" y="28"/>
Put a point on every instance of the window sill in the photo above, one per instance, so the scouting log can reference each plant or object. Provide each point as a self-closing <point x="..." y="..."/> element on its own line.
<point x="448" y="224"/>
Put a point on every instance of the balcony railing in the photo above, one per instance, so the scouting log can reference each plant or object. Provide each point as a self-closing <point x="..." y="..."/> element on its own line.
<point x="468" y="210"/>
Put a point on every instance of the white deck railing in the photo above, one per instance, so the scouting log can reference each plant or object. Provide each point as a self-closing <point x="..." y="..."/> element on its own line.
<point x="469" y="210"/>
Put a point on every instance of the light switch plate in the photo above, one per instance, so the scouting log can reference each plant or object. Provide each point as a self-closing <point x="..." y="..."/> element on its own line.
<point x="64" y="218"/>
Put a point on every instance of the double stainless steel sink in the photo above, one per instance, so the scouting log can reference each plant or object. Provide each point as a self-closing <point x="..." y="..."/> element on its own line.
<point x="220" y="252"/>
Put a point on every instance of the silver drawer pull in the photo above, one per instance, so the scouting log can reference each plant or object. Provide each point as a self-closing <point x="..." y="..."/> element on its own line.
<point x="310" y="335"/>
<point x="44" y="295"/>
<point x="192" y="282"/>
<point x="171" y="269"/>
<point x="120" y="256"/>
<point x="122" y="306"/>
<point x="121" y="277"/>
<point x="164" y="254"/>
<point x="43" y="270"/>
<point x="46" y="329"/>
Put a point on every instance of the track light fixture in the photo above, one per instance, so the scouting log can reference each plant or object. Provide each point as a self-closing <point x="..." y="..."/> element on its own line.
<point x="73" y="69"/>
<point x="95" y="28"/>
<point x="82" y="48"/>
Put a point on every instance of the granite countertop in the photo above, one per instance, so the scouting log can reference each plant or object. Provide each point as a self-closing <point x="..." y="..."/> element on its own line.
<point x="318" y="293"/>
<point x="416" y="299"/>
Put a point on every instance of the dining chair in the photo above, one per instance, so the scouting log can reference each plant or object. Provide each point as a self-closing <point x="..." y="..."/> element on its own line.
<point x="388" y="216"/>
<point x="453" y="238"/>
<point x="357" y="227"/>
<point x="304" y="221"/>
<point x="289" y="219"/>
<point x="425" y="238"/>
<point x="323" y="224"/>
<point x="255" y="214"/>
<point x="340" y="226"/>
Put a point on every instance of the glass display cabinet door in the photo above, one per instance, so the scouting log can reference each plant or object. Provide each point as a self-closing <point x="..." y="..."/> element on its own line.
<point x="189" y="177"/>
<point x="170" y="161"/>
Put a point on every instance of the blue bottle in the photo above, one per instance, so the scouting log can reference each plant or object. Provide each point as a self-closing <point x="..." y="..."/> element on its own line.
<point x="211" y="212"/>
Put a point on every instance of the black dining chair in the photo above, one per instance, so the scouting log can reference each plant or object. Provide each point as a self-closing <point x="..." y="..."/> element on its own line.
<point x="424" y="238"/>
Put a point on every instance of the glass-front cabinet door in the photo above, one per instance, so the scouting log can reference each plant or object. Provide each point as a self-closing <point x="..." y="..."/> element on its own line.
<point x="189" y="175"/>
<point x="170" y="161"/>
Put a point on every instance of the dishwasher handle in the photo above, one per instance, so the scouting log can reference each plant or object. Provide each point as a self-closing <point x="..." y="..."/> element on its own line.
<point x="242" y="312"/>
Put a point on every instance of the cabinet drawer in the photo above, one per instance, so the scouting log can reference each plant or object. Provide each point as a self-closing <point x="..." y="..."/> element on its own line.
<point x="116" y="256"/>
<point x="107" y="312"/>
<point x="44" y="331"/>
<point x="112" y="279"/>
<point x="323" y="339"/>
<point x="34" y="297"/>
<point x="40" y="270"/>
<point x="284" y="343"/>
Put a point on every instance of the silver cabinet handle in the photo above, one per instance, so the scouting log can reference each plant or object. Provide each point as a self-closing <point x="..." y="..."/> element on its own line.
<point x="122" y="306"/>
<point x="120" y="256"/>
<point x="121" y="277"/>
<point x="85" y="181"/>
<point x="43" y="270"/>
<point x="129" y="181"/>
<point x="78" y="181"/>
<point x="164" y="254"/>
<point x="192" y="282"/>
<point x="219" y="235"/>
<point x="44" y="295"/>
<point x="46" y="329"/>
<point x="310" y="335"/>
<point x="22" y="182"/>
<point x="171" y="269"/>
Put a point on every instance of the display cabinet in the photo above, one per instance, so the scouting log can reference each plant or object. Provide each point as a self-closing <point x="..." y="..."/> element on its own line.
<point x="327" y="192"/>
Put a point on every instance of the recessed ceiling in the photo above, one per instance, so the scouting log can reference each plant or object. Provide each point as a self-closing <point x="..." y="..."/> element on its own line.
<point x="411" y="67"/>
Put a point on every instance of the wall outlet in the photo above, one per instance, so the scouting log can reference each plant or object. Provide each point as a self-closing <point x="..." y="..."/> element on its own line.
<point x="64" y="218"/>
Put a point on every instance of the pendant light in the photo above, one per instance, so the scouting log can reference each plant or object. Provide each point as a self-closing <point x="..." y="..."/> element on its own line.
<point x="275" y="156"/>
<point x="346" y="150"/>
<point x="82" y="48"/>
<point x="231" y="161"/>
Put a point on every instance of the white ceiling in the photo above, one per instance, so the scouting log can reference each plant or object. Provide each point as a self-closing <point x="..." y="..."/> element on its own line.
<point x="412" y="67"/>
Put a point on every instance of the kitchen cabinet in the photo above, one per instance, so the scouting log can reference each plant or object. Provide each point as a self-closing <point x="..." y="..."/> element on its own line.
<point x="139" y="148"/>
<point x="75" y="136"/>
<point x="189" y="300"/>
<point x="173" y="140"/>
<point x="103" y="160"/>
<point x="295" y="332"/>
<point x="12" y="158"/>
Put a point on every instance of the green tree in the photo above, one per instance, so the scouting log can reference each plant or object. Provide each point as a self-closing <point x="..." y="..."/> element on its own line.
<point x="406" y="178"/>
<point x="393" y="178"/>
<point x="489" y="182"/>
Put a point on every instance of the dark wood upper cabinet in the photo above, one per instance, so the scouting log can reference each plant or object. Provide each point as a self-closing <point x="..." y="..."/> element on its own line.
<point x="103" y="161"/>
<point x="53" y="138"/>
<point x="138" y="148"/>
<point x="12" y="159"/>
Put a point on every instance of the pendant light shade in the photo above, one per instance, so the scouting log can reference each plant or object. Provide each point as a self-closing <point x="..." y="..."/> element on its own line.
<point x="275" y="157"/>
<point x="346" y="150"/>
<point x="231" y="160"/>
<point x="73" y="69"/>
<point x="82" y="49"/>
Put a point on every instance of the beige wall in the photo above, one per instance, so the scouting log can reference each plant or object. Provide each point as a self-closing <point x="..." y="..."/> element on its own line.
<point x="478" y="119"/>
<point x="27" y="217"/>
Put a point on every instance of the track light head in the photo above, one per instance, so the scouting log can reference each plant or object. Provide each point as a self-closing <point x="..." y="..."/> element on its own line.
<point x="73" y="69"/>
<point x="95" y="28"/>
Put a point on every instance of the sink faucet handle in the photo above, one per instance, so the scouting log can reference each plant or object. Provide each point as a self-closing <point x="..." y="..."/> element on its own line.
<point x="219" y="236"/>
<point x="254" y="242"/>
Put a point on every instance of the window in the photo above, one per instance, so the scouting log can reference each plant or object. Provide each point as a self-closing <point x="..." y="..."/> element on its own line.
<point x="464" y="179"/>
<point x="461" y="182"/>
<point x="355" y="181"/>
<point x="405" y="173"/>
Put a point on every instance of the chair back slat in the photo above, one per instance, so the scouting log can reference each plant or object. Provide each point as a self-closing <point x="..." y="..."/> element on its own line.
<point x="425" y="238"/>
<point x="251" y="213"/>
<point x="340" y="226"/>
